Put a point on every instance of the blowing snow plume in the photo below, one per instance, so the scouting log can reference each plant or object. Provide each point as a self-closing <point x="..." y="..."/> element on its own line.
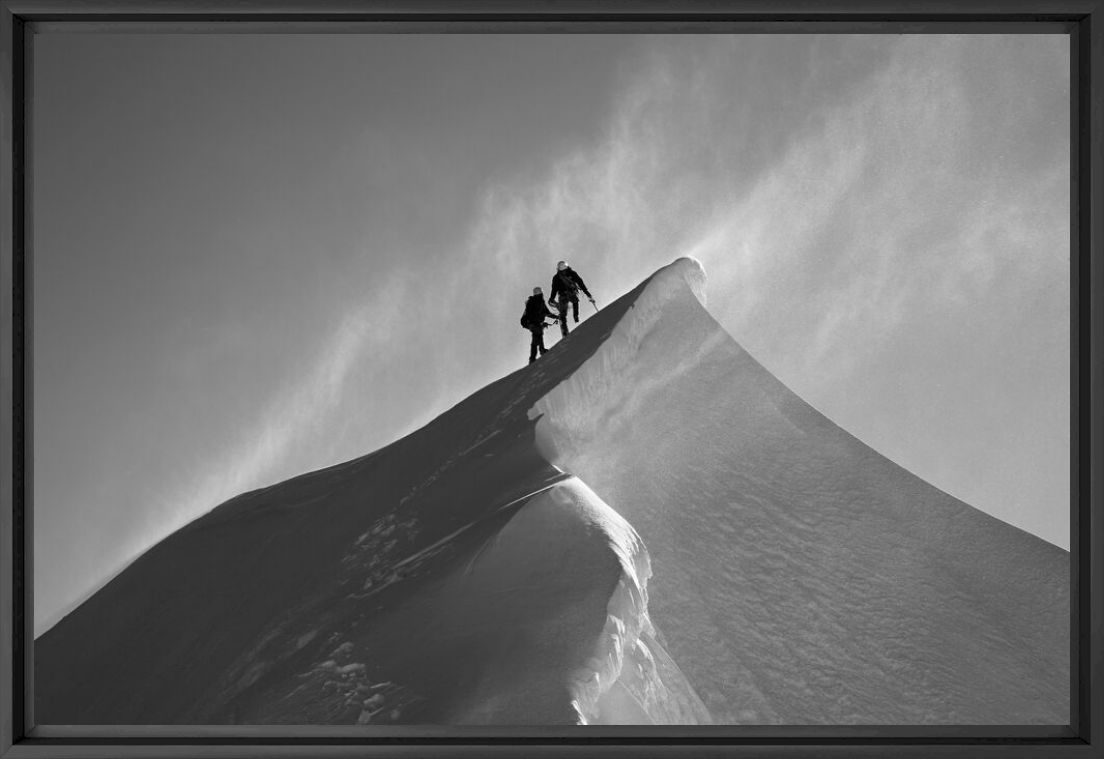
<point x="642" y="527"/>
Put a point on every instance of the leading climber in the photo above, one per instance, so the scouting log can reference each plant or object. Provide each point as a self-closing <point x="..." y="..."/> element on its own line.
<point x="536" y="310"/>
<point x="566" y="284"/>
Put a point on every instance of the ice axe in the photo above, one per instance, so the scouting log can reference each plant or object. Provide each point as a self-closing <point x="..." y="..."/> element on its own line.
<point x="593" y="304"/>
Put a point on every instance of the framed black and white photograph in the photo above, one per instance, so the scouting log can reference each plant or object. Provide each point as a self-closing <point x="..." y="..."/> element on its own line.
<point x="551" y="378"/>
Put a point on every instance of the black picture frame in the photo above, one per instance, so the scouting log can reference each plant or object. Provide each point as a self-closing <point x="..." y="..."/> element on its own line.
<point x="1083" y="20"/>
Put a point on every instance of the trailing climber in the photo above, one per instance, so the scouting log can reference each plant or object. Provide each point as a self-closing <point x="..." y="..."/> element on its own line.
<point x="536" y="310"/>
<point x="566" y="284"/>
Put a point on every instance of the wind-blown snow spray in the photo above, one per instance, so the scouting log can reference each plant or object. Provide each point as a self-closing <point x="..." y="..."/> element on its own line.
<point x="588" y="398"/>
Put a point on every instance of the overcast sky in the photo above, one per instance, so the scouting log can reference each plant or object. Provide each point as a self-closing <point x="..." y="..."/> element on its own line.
<point x="259" y="255"/>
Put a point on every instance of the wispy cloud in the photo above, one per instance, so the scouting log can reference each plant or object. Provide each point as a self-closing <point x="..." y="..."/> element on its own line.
<point x="867" y="202"/>
<point x="924" y="196"/>
<point x="299" y="417"/>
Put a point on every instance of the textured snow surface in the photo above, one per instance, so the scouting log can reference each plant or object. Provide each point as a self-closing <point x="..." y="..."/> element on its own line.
<point x="799" y="576"/>
<point x="642" y="527"/>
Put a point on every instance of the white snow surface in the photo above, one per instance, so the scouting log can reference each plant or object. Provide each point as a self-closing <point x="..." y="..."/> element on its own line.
<point x="643" y="527"/>
<point x="564" y="542"/>
<point x="799" y="576"/>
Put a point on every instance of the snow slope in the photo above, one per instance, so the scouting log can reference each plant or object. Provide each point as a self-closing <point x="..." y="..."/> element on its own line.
<point x="790" y="560"/>
<point x="642" y="527"/>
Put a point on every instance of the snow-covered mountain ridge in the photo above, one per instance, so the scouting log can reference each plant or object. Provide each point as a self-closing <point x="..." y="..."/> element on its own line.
<point x="790" y="560"/>
<point x="643" y="526"/>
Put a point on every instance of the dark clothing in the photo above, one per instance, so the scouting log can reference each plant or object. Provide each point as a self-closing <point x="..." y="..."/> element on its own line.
<point x="566" y="285"/>
<point x="536" y="311"/>
<point x="537" y="343"/>
<point x="567" y="282"/>
<point x="564" y="306"/>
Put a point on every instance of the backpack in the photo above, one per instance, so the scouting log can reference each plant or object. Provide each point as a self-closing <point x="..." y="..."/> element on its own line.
<point x="525" y="321"/>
